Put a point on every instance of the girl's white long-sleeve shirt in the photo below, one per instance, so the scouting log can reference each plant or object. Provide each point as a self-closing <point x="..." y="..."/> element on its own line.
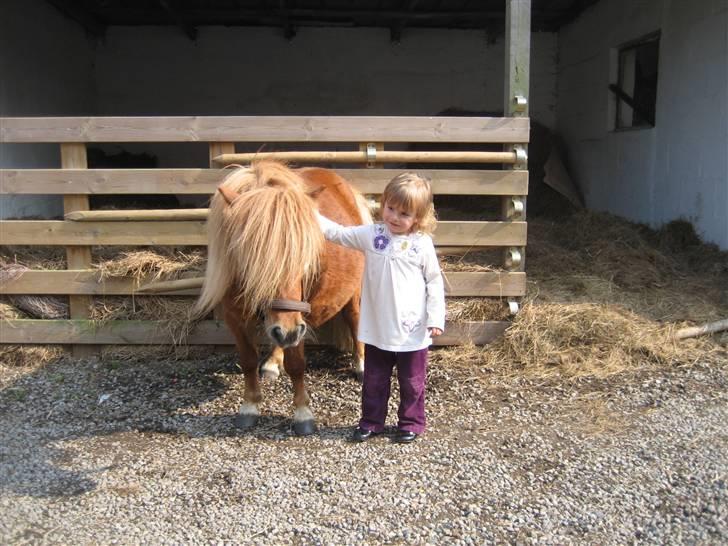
<point x="402" y="290"/>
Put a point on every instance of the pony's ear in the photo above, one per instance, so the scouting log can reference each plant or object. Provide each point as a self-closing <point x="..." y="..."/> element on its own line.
<point x="314" y="193"/>
<point x="228" y="194"/>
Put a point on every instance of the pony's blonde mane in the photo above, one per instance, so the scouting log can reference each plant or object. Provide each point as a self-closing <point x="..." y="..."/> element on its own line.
<point x="266" y="239"/>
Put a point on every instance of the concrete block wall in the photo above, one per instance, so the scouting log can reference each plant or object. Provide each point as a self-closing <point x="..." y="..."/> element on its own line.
<point x="679" y="168"/>
<point x="322" y="71"/>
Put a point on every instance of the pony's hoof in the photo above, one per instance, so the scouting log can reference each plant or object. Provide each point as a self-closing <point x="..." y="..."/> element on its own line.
<point x="246" y="420"/>
<point x="269" y="375"/>
<point x="304" y="428"/>
<point x="359" y="376"/>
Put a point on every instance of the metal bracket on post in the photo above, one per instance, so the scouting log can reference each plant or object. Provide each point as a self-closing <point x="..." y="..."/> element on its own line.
<point x="521" y="156"/>
<point x="371" y="153"/>
<point x="515" y="208"/>
<point x="520" y="104"/>
<point x="513" y="307"/>
<point x="513" y="258"/>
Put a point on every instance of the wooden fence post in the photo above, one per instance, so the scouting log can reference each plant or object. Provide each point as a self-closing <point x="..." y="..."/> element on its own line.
<point x="73" y="156"/>
<point x="216" y="149"/>
<point x="515" y="99"/>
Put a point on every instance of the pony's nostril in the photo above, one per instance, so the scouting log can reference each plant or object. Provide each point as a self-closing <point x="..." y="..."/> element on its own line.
<point x="301" y="330"/>
<point x="277" y="334"/>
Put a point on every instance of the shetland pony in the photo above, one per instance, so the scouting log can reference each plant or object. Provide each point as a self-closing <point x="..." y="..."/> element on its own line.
<point x="267" y="259"/>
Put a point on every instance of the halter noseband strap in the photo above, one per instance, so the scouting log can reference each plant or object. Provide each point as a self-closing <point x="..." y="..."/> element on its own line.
<point x="291" y="305"/>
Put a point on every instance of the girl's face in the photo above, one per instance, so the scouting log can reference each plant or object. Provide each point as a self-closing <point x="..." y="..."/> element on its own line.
<point x="398" y="220"/>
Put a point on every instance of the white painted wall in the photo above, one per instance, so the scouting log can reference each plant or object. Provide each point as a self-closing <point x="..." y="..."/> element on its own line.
<point x="678" y="169"/>
<point x="46" y="69"/>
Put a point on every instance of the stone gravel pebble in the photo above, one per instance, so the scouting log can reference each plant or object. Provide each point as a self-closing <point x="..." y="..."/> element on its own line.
<point x="144" y="452"/>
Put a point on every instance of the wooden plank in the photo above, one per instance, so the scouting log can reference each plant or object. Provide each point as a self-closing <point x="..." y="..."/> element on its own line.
<point x="88" y="282"/>
<point x="264" y="129"/>
<point x="51" y="232"/>
<point x="192" y="233"/>
<point x="204" y="181"/>
<point x="77" y="282"/>
<point x="486" y="283"/>
<point x="209" y="332"/>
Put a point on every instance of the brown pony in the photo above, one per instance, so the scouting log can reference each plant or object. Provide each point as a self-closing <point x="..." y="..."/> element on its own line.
<point x="267" y="258"/>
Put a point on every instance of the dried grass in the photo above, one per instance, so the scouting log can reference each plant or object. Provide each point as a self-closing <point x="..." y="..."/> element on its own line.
<point x="578" y="340"/>
<point x="472" y="260"/>
<point x="10" y="312"/>
<point x="476" y="309"/>
<point x="33" y="257"/>
<point x="588" y="339"/>
<point x="172" y="314"/>
<point x="153" y="265"/>
<point x="22" y="356"/>
<point x="41" y="307"/>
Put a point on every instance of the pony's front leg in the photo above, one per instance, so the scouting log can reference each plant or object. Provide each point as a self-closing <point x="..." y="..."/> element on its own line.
<point x="295" y="366"/>
<point x="271" y="368"/>
<point x="248" y="357"/>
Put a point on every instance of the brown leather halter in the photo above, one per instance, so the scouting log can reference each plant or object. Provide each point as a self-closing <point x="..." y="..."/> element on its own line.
<point x="291" y="305"/>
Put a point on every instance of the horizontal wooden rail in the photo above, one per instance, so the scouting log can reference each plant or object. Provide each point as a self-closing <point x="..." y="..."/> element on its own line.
<point x="209" y="332"/>
<point x="382" y="156"/>
<point x="88" y="282"/>
<point x="265" y="129"/>
<point x="193" y="233"/>
<point x="150" y="215"/>
<point x="204" y="181"/>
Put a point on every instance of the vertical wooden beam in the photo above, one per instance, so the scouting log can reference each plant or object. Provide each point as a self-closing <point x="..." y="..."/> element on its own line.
<point x="73" y="156"/>
<point x="216" y="149"/>
<point x="516" y="103"/>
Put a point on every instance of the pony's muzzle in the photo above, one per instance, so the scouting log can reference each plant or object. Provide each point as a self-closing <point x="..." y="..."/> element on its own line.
<point x="284" y="339"/>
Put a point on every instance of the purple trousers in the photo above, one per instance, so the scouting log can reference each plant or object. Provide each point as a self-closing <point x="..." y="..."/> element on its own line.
<point x="411" y="374"/>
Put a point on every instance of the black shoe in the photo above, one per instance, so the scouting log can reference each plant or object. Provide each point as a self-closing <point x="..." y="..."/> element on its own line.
<point x="405" y="437"/>
<point x="361" y="434"/>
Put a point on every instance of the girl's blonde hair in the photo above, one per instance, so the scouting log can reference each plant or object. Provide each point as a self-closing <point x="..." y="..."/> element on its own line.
<point x="413" y="193"/>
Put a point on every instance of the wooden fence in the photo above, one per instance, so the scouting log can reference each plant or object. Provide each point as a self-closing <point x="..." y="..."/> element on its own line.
<point x="81" y="230"/>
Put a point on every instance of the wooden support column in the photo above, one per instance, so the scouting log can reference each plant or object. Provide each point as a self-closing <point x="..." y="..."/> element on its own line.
<point x="73" y="156"/>
<point x="216" y="149"/>
<point x="516" y="99"/>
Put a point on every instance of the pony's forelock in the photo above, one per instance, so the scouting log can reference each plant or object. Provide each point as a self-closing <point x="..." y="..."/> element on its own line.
<point x="266" y="239"/>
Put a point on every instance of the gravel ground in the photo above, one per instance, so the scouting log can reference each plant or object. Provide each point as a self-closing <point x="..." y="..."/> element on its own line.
<point x="128" y="452"/>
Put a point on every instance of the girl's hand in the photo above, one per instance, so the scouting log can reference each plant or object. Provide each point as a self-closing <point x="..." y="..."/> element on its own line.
<point x="434" y="332"/>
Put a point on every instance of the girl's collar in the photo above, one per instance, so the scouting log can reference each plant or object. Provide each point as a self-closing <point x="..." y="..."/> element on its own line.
<point x="395" y="235"/>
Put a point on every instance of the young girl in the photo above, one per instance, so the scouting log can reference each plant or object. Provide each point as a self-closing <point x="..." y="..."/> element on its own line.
<point x="402" y="303"/>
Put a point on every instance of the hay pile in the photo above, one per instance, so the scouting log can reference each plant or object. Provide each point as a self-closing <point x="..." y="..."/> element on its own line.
<point x="152" y="265"/>
<point x="606" y="295"/>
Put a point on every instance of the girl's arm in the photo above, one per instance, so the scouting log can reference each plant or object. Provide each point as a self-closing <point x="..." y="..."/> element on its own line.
<point x="435" y="288"/>
<point x="351" y="236"/>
